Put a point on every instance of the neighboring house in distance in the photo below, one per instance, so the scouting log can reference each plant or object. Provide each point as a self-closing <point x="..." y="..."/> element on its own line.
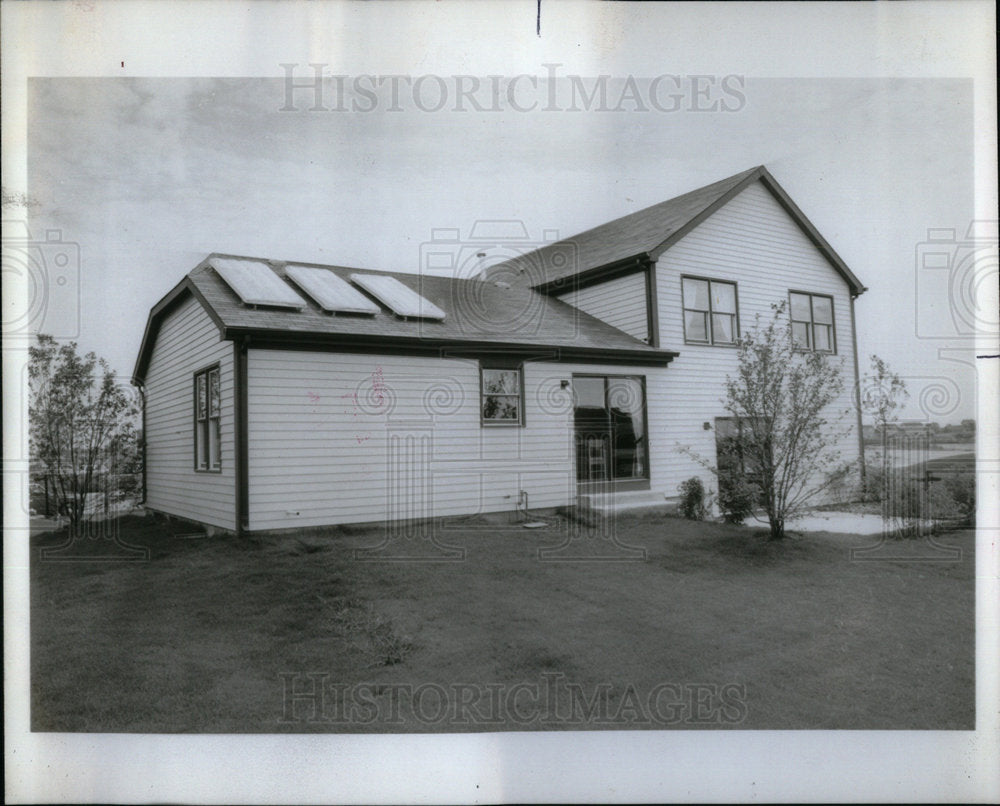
<point x="280" y="395"/>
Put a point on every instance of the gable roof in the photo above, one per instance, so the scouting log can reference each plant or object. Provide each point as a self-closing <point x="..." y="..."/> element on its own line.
<point x="644" y="235"/>
<point x="480" y="315"/>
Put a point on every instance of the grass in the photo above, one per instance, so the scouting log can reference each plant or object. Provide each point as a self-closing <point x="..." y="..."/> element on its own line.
<point x="211" y="635"/>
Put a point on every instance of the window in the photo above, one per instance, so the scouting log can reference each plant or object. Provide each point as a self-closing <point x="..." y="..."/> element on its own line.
<point x="732" y="437"/>
<point x="709" y="311"/>
<point x="207" y="409"/>
<point x="812" y="321"/>
<point x="502" y="395"/>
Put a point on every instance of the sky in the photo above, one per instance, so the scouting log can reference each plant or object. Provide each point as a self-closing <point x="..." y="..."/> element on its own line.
<point x="148" y="175"/>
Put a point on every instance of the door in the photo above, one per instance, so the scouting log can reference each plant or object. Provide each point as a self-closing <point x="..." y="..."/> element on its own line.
<point x="609" y="417"/>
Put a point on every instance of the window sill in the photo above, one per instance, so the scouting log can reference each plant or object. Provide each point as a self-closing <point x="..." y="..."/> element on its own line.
<point x="729" y="344"/>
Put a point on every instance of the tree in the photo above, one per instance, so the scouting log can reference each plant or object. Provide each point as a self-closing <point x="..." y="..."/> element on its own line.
<point x="883" y="392"/>
<point x="81" y="424"/>
<point x="780" y="397"/>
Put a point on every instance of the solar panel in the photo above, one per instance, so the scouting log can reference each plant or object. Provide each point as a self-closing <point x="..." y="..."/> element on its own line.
<point x="256" y="284"/>
<point x="331" y="293"/>
<point x="403" y="301"/>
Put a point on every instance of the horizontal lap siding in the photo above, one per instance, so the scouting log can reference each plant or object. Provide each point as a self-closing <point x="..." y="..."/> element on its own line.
<point x="751" y="241"/>
<point x="621" y="303"/>
<point x="188" y="341"/>
<point x="345" y="438"/>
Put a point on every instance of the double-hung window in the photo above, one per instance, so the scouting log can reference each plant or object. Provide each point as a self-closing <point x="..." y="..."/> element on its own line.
<point x="812" y="321"/>
<point x="502" y="395"/>
<point x="207" y="411"/>
<point x="709" y="311"/>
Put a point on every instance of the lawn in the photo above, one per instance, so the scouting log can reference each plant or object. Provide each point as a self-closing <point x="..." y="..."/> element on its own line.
<point x="714" y="628"/>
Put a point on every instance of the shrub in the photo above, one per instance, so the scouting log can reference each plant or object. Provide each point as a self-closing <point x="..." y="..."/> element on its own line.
<point x="737" y="497"/>
<point x="692" y="504"/>
<point x="961" y="494"/>
<point x="951" y="501"/>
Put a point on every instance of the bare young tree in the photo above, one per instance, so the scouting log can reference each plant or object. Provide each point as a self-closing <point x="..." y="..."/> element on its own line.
<point x="81" y="423"/>
<point x="781" y="397"/>
<point x="883" y="392"/>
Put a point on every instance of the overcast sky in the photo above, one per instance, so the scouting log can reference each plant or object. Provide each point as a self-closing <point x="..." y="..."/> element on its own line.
<point x="148" y="175"/>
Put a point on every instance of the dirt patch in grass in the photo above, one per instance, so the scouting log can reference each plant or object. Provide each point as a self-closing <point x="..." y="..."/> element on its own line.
<point x="716" y="627"/>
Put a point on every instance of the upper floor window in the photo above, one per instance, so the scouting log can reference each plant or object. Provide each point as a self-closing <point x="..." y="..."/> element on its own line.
<point x="502" y="395"/>
<point x="709" y="311"/>
<point x="207" y="412"/>
<point x="812" y="321"/>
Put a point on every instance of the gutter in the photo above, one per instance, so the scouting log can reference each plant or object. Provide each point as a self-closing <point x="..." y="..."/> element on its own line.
<point x="444" y="348"/>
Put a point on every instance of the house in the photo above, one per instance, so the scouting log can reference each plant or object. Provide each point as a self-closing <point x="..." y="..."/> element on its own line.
<point x="280" y="395"/>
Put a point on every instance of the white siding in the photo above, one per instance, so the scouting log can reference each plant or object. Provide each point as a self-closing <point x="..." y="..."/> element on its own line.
<point x="188" y="341"/>
<point x="620" y="302"/>
<point x="410" y="445"/>
<point x="753" y="242"/>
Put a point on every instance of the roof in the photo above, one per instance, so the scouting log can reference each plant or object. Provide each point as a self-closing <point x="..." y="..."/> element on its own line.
<point x="479" y="316"/>
<point x="646" y="234"/>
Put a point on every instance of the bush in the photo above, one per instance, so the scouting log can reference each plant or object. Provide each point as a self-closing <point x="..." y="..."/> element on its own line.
<point x="737" y="497"/>
<point x="961" y="498"/>
<point x="692" y="504"/>
<point x="949" y="501"/>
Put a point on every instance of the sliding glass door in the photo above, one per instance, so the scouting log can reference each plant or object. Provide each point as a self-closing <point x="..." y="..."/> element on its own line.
<point x="610" y="423"/>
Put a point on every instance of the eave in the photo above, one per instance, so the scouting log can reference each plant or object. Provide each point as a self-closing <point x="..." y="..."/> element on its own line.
<point x="257" y="338"/>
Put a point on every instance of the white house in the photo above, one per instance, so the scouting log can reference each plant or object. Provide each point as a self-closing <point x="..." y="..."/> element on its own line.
<point x="280" y="395"/>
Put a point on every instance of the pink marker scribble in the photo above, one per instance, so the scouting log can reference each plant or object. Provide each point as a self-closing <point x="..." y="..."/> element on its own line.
<point x="378" y="387"/>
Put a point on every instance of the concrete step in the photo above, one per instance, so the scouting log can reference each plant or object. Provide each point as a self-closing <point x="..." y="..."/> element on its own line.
<point x="606" y="503"/>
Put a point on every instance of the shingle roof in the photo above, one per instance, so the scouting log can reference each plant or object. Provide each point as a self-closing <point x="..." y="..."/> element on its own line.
<point x="645" y="234"/>
<point x="478" y="313"/>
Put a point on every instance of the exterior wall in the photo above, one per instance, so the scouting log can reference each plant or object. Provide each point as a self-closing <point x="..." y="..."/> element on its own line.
<point x="188" y="341"/>
<point x="751" y="241"/>
<point x="346" y="438"/>
<point x="620" y="302"/>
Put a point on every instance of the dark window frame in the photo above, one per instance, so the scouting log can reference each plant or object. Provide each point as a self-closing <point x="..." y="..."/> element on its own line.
<point x="812" y="322"/>
<point x="738" y="453"/>
<point x="504" y="366"/>
<point x="203" y="431"/>
<point x="646" y="469"/>
<point x="711" y="342"/>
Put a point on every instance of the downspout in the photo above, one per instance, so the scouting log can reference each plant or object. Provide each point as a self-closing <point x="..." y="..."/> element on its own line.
<point x="857" y="394"/>
<point x="240" y="438"/>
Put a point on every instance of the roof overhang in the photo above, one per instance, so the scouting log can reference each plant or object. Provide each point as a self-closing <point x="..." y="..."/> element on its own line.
<point x="608" y="271"/>
<point x="598" y="274"/>
<point x="178" y="294"/>
<point x="444" y="348"/>
<point x="764" y="176"/>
